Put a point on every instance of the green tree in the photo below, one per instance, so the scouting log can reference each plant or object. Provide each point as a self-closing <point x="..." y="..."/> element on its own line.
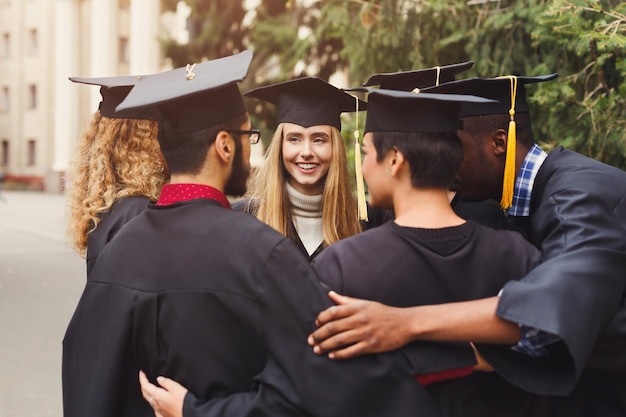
<point x="583" y="40"/>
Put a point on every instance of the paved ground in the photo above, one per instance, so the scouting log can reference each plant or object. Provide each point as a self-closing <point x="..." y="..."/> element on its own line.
<point x="40" y="282"/>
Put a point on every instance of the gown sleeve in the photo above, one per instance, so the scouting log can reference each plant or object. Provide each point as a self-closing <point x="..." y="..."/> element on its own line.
<point x="572" y="294"/>
<point x="295" y="381"/>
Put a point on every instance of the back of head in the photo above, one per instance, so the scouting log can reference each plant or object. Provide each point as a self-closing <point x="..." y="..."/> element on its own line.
<point x="118" y="155"/>
<point x="423" y="127"/>
<point x="193" y="104"/>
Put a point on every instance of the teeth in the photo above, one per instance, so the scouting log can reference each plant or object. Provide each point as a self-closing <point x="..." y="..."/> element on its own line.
<point x="307" y="166"/>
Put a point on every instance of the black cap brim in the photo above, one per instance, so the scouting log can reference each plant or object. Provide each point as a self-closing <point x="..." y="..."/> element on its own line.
<point x="423" y="78"/>
<point x="498" y="89"/>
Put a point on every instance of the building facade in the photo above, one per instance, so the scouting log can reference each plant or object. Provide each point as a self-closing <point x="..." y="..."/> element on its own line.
<point x="42" y="43"/>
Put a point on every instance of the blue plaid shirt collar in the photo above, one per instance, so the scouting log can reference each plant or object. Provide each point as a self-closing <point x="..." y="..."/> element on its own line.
<point x="524" y="182"/>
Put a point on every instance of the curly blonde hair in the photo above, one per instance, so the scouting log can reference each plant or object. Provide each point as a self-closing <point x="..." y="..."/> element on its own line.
<point x="270" y="200"/>
<point x="115" y="158"/>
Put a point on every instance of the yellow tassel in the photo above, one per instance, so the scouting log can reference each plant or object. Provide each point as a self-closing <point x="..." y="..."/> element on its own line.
<point x="360" y="185"/>
<point x="508" y="182"/>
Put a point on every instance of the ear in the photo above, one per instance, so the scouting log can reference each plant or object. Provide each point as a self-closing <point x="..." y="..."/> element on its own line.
<point x="396" y="161"/>
<point x="499" y="140"/>
<point x="224" y="146"/>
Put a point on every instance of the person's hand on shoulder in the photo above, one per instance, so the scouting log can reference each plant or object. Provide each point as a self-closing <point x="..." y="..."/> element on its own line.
<point x="356" y="327"/>
<point x="166" y="400"/>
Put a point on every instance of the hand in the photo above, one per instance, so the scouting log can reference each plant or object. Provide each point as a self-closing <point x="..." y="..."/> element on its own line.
<point x="356" y="327"/>
<point x="481" y="362"/>
<point x="167" y="400"/>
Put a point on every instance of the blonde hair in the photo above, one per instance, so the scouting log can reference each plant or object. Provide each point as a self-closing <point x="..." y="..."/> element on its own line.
<point x="114" y="158"/>
<point x="271" y="204"/>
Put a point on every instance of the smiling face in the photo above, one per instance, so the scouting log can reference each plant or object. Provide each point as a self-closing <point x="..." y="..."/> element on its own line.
<point x="307" y="153"/>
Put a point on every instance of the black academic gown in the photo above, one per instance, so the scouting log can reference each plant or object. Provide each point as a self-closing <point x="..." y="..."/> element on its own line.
<point x="223" y="304"/>
<point x="452" y="264"/>
<point x="578" y="220"/>
<point x="110" y="223"/>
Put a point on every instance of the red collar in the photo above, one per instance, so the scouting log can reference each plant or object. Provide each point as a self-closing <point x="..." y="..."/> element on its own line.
<point x="174" y="193"/>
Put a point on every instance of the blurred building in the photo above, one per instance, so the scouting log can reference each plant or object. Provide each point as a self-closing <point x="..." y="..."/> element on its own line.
<point x="42" y="43"/>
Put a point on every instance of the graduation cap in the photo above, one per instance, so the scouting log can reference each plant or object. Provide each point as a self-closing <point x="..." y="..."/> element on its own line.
<point x="500" y="89"/>
<point x="308" y="101"/>
<point x="510" y="96"/>
<point x="194" y="97"/>
<point x="423" y="78"/>
<point x="401" y="111"/>
<point x="113" y="91"/>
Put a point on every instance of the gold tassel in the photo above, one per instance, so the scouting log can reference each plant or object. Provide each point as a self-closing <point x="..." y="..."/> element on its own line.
<point x="360" y="185"/>
<point x="508" y="183"/>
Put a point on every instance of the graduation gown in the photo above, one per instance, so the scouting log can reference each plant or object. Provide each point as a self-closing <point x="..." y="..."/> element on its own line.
<point x="223" y="304"/>
<point x="578" y="220"/>
<point x="453" y="264"/>
<point x="110" y="223"/>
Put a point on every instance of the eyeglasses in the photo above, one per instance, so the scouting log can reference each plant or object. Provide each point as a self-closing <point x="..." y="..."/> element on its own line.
<point x="255" y="134"/>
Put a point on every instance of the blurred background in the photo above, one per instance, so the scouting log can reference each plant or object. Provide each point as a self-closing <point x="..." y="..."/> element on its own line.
<point x="43" y="42"/>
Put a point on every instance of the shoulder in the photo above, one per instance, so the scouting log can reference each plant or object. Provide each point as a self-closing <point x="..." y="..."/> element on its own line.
<point x="506" y="243"/>
<point x="245" y="205"/>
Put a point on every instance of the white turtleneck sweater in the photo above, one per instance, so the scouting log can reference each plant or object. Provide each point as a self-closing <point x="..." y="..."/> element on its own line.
<point x="307" y="218"/>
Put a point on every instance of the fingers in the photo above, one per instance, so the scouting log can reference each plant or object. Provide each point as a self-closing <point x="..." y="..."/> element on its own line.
<point x="172" y="386"/>
<point x="147" y="388"/>
<point x="336" y="312"/>
<point x="341" y="299"/>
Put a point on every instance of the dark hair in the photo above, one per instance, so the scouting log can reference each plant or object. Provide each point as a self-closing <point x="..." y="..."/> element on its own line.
<point x="433" y="158"/>
<point x="185" y="152"/>
<point x="480" y="126"/>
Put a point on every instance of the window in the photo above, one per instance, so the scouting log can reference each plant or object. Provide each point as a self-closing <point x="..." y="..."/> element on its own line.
<point x="123" y="51"/>
<point x="5" y="104"/>
<point x="32" y="153"/>
<point x="33" y="42"/>
<point x="4" y="155"/>
<point x="6" y="45"/>
<point x="32" y="96"/>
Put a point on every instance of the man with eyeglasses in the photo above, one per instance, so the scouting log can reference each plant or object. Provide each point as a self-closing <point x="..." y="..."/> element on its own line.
<point x="212" y="297"/>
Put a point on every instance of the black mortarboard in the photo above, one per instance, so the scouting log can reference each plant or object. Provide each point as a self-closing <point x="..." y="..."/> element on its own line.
<point x="423" y="78"/>
<point x="510" y="95"/>
<point x="113" y="91"/>
<point x="308" y="101"/>
<point x="494" y="88"/>
<point x="401" y="111"/>
<point x="194" y="97"/>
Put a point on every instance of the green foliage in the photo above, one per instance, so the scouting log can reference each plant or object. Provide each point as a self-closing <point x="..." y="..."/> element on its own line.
<point x="583" y="40"/>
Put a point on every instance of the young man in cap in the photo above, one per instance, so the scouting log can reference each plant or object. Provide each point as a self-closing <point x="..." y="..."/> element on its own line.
<point x="484" y="212"/>
<point x="212" y="297"/>
<point x="569" y="310"/>
<point x="428" y="254"/>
